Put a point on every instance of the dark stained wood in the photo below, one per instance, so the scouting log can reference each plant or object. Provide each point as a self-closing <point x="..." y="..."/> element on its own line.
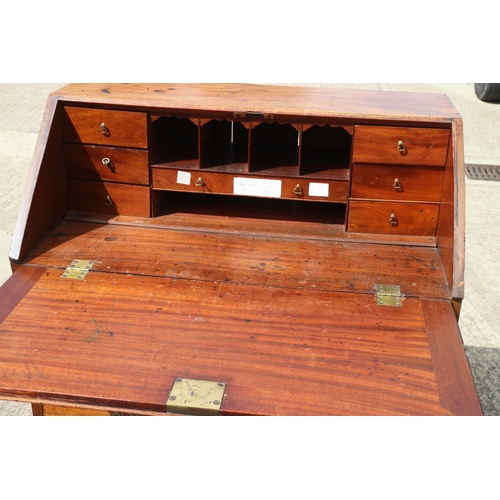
<point x="375" y="216"/>
<point x="125" y="164"/>
<point x="456" y="387"/>
<point x="109" y="198"/>
<point x="352" y="358"/>
<point x="37" y="409"/>
<point x="44" y="201"/>
<point x="424" y="146"/>
<point x="237" y="258"/>
<point x="124" y="128"/>
<point x="395" y="182"/>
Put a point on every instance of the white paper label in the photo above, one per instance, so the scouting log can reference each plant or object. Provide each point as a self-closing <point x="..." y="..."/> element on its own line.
<point x="184" y="178"/>
<point x="267" y="188"/>
<point x="318" y="189"/>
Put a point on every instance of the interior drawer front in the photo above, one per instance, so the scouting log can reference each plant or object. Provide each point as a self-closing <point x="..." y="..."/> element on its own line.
<point x="400" y="145"/>
<point x="194" y="181"/>
<point x="109" y="198"/>
<point x="388" y="182"/>
<point x="104" y="126"/>
<point x="107" y="163"/>
<point x="387" y="217"/>
<point x="222" y="183"/>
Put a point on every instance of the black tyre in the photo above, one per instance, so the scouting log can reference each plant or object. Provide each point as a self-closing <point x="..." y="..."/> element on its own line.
<point x="487" y="92"/>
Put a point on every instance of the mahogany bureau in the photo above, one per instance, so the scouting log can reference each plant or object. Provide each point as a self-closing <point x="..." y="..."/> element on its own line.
<point x="239" y="250"/>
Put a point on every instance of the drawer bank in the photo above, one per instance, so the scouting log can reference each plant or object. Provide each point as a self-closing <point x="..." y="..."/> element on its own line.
<point x="223" y="249"/>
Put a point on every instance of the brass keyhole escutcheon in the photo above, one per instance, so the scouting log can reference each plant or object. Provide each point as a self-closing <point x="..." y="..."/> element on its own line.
<point x="393" y="220"/>
<point x="401" y="147"/>
<point x="103" y="129"/>
<point x="397" y="184"/>
<point x="298" y="190"/>
<point x="109" y="201"/>
<point x="199" y="182"/>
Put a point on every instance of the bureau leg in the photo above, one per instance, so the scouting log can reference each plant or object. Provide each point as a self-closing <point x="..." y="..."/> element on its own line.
<point x="37" y="409"/>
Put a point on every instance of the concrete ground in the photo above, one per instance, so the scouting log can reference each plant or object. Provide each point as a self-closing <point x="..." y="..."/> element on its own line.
<point x="21" y="110"/>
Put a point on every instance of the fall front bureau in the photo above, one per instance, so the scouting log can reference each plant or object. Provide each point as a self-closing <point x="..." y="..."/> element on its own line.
<point x="239" y="250"/>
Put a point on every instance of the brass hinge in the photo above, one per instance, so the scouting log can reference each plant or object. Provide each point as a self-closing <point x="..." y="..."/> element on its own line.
<point x="195" y="397"/>
<point x="388" y="295"/>
<point x="78" y="269"/>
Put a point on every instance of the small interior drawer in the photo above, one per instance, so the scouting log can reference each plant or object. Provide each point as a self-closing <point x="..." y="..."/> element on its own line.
<point x="104" y="126"/>
<point x="388" y="217"/>
<point x="220" y="183"/>
<point x="109" y="198"/>
<point x="400" y="145"/>
<point x="107" y="163"/>
<point x="402" y="183"/>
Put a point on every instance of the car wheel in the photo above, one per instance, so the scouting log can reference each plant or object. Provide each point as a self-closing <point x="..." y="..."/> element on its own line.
<point x="487" y="92"/>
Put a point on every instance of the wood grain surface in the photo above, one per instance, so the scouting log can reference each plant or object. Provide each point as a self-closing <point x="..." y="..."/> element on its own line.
<point x="284" y="100"/>
<point x="247" y="259"/>
<point x="125" y="164"/>
<point x="120" y="340"/>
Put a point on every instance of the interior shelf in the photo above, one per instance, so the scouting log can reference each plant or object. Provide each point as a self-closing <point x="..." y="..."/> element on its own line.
<point x="261" y="148"/>
<point x="174" y="142"/>
<point x="168" y="202"/>
<point x="325" y="151"/>
<point x="224" y="145"/>
<point x="274" y="145"/>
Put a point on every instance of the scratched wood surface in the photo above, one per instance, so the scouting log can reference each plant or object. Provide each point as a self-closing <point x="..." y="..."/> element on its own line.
<point x="120" y="341"/>
<point x="283" y="100"/>
<point x="248" y="259"/>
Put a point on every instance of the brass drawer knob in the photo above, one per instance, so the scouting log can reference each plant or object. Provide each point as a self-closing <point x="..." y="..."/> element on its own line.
<point x="109" y="201"/>
<point x="106" y="161"/>
<point x="401" y="147"/>
<point x="103" y="129"/>
<point x="397" y="184"/>
<point x="393" y="220"/>
<point x="298" y="190"/>
<point x="199" y="182"/>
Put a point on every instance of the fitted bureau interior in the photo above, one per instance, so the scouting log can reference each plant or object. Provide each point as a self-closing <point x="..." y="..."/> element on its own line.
<point x="302" y="246"/>
<point x="363" y="178"/>
<point x="274" y="148"/>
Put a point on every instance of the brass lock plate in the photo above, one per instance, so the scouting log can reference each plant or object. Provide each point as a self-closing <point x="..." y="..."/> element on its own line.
<point x="78" y="269"/>
<point x="195" y="397"/>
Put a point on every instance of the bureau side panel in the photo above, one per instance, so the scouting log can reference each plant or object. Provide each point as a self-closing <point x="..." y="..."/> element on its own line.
<point x="451" y="222"/>
<point x="44" y="201"/>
